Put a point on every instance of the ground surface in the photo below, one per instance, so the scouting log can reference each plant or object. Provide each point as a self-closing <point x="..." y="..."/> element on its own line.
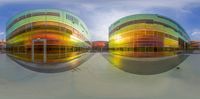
<point x="145" y="66"/>
<point x="98" y="79"/>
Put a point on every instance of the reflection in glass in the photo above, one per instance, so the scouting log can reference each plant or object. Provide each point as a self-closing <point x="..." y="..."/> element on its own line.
<point x="46" y="36"/>
<point x="146" y="37"/>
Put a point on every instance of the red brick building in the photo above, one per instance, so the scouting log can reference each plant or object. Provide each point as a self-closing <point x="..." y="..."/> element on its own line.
<point x="99" y="46"/>
<point x="194" y="45"/>
<point x="2" y="45"/>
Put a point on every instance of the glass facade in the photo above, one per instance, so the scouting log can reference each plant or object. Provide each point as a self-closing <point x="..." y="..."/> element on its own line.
<point x="46" y="36"/>
<point x="147" y="35"/>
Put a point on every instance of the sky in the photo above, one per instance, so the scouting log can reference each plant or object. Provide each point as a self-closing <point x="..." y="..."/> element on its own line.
<point x="100" y="14"/>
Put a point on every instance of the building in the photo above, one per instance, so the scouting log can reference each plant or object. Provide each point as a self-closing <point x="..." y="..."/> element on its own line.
<point x="147" y="35"/>
<point x="2" y="46"/>
<point x="194" y="45"/>
<point x="99" y="46"/>
<point x="46" y="36"/>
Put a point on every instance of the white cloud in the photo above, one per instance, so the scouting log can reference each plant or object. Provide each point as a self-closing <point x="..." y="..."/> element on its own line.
<point x="195" y="35"/>
<point x="2" y="33"/>
<point x="102" y="20"/>
<point x="91" y="4"/>
<point x="2" y="36"/>
<point x="100" y="14"/>
<point x="106" y="12"/>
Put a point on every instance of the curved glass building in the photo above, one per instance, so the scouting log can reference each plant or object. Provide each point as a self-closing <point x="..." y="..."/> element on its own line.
<point x="147" y="35"/>
<point x="46" y="36"/>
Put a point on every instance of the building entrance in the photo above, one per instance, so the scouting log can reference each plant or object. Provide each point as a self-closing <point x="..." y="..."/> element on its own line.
<point x="39" y="52"/>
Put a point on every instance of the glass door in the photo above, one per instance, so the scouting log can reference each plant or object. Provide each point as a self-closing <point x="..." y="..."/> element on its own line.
<point x="39" y="54"/>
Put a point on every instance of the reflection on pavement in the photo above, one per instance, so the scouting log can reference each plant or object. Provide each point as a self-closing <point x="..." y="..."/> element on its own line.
<point x="55" y="67"/>
<point x="145" y="66"/>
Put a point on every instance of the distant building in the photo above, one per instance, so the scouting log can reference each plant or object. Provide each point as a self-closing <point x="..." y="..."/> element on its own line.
<point x="194" y="45"/>
<point x="2" y="46"/>
<point x="99" y="46"/>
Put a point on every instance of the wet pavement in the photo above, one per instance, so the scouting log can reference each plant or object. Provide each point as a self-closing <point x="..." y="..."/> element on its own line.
<point x="97" y="78"/>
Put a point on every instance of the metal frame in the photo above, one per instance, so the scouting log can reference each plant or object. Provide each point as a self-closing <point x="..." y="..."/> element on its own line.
<point x="44" y="49"/>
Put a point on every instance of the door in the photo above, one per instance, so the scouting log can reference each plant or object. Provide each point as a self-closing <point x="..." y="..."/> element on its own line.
<point x="39" y="54"/>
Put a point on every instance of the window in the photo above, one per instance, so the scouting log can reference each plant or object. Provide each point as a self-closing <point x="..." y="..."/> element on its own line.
<point x="148" y="21"/>
<point x="72" y="18"/>
<point x="31" y="15"/>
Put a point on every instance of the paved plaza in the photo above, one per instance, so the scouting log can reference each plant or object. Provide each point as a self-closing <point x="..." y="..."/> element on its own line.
<point x="97" y="78"/>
